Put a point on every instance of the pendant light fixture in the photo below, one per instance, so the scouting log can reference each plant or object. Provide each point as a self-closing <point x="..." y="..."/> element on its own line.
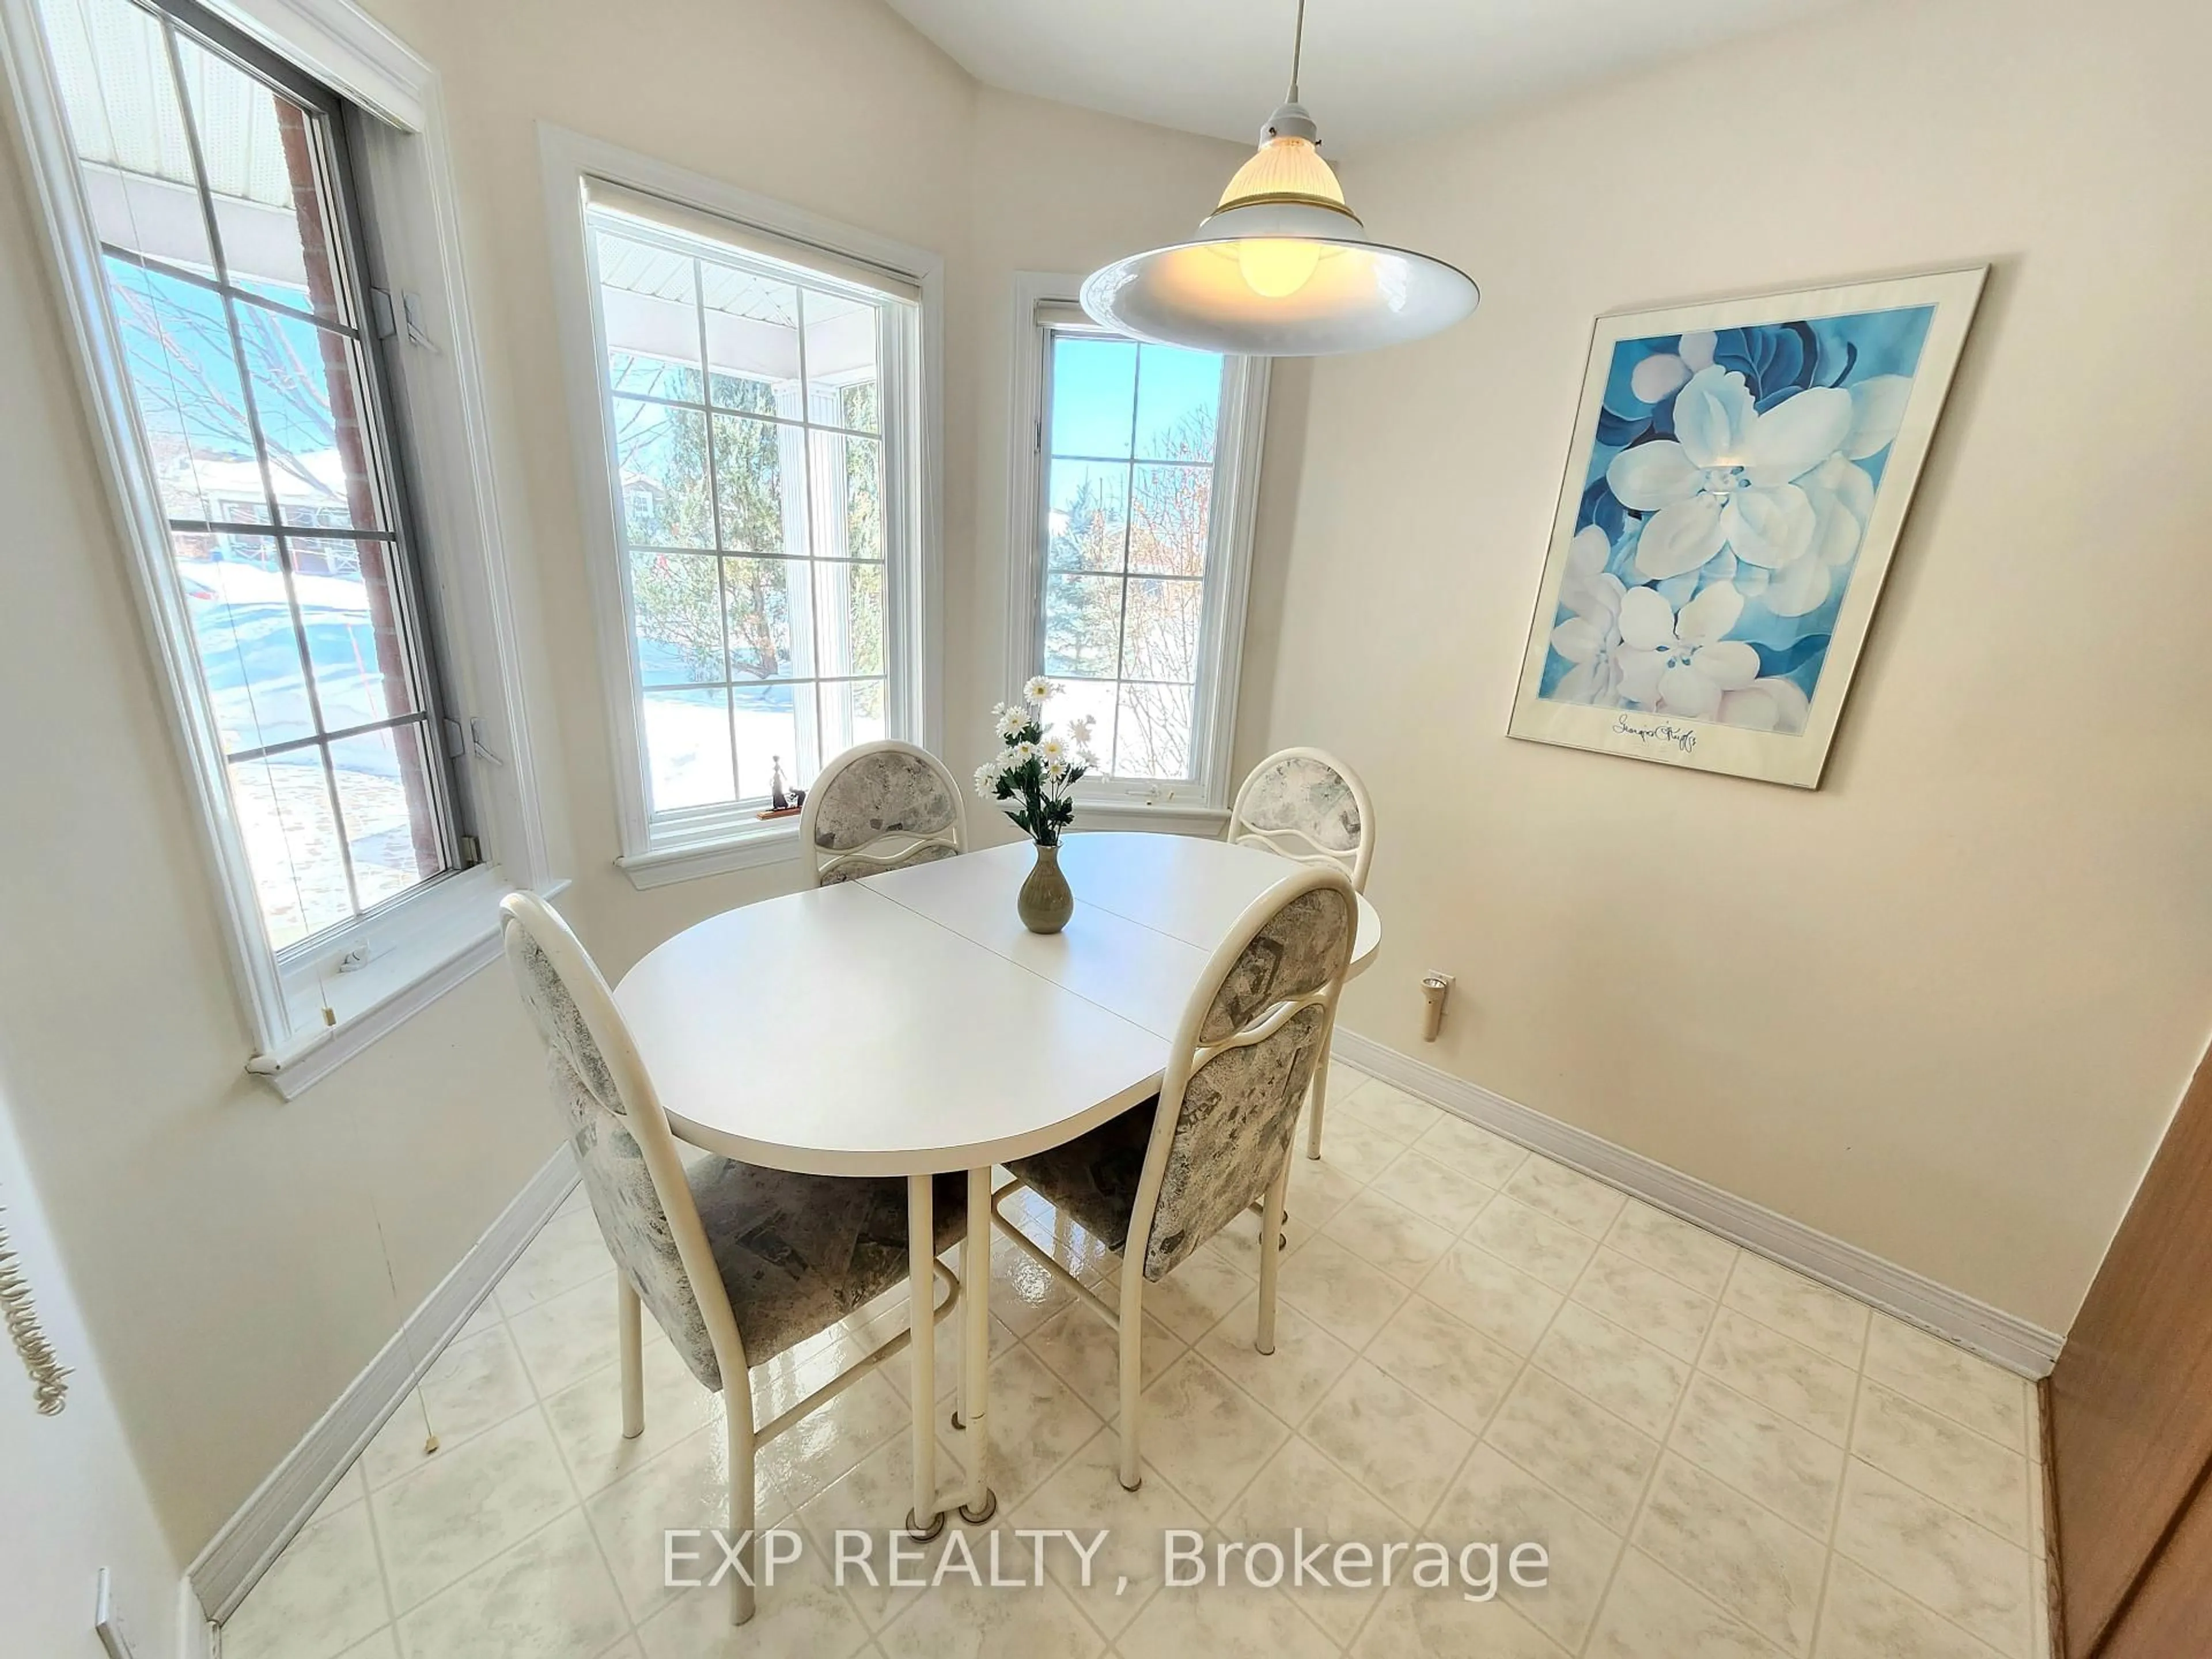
<point x="1282" y="268"/>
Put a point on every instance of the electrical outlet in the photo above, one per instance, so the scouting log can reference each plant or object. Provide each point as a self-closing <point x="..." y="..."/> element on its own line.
<point x="107" y="1621"/>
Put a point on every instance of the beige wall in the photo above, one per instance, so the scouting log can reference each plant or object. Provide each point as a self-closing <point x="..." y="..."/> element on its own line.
<point x="1943" y="1007"/>
<point x="231" y="1249"/>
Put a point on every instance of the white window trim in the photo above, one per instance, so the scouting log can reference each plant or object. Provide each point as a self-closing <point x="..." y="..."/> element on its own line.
<point x="1200" y="807"/>
<point x="568" y="160"/>
<point x="416" y="950"/>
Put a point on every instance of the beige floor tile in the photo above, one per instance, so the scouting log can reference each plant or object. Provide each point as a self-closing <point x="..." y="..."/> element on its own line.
<point x="1864" y="1619"/>
<point x="565" y="1338"/>
<point x="803" y="1615"/>
<point x="885" y="1318"/>
<point x="1500" y="1301"/>
<point x="1301" y="1500"/>
<point x="486" y="1314"/>
<point x="1389" y="1439"/>
<point x="1651" y="1615"/>
<point x="1618" y="1369"/>
<point x="1663" y="1311"/>
<point x="1347" y="1298"/>
<point x="1317" y="1190"/>
<point x="1389" y="1109"/>
<point x="1421" y="1623"/>
<point x="1589" y="1456"/>
<point x="1754" y="1564"/>
<point x="1589" y="1207"/>
<point x="1962" y="1386"/>
<point x="825" y="1443"/>
<point x="687" y="1487"/>
<point x="1387" y="1236"/>
<point x="955" y="1619"/>
<point x="324" y="1595"/>
<point x="1082" y="1350"/>
<point x="1943" y="1560"/>
<point x="1798" y="1308"/>
<point x="1540" y="1245"/>
<point x="1357" y="1148"/>
<point x="586" y="1418"/>
<point x="1430" y="1191"/>
<point x="1945" y="1459"/>
<point x="549" y="1597"/>
<point x="1196" y="1292"/>
<point x="1803" y="1385"/>
<point x="1237" y="1621"/>
<point x="874" y="1496"/>
<point x="1760" y="1453"/>
<point x="384" y="1644"/>
<point x="465" y="1507"/>
<point x="350" y="1489"/>
<point x="1306" y="1361"/>
<point x="1036" y="1422"/>
<point x="1472" y="1150"/>
<point x="1496" y="1501"/>
<point x="1462" y="1373"/>
<point x="471" y="1387"/>
<point x="568" y="1250"/>
<point x="1085" y="1495"/>
<point x="1207" y="1434"/>
<point x="1023" y="1292"/>
<point x="1699" y="1259"/>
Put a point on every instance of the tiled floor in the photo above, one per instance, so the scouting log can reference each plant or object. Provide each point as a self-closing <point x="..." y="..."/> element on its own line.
<point x="1721" y="1458"/>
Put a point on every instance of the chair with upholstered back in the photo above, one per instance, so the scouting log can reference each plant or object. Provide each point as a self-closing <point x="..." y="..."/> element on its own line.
<point x="880" y="806"/>
<point x="1306" y="803"/>
<point x="1157" y="1182"/>
<point x="738" y="1263"/>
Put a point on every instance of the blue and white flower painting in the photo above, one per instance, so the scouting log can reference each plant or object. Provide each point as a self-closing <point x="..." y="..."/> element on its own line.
<point x="1730" y="481"/>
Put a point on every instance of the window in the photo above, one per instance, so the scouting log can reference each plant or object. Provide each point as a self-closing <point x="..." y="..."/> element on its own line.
<point x="1137" y="505"/>
<point x="261" y="282"/>
<point x="220" y="193"/>
<point x="759" y="402"/>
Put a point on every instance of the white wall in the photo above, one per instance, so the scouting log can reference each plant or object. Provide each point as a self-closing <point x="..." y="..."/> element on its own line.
<point x="1943" y="1007"/>
<point x="71" y="1501"/>
<point x="240" y="1257"/>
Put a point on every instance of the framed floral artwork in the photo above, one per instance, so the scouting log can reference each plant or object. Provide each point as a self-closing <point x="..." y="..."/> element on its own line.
<point x="1739" y="473"/>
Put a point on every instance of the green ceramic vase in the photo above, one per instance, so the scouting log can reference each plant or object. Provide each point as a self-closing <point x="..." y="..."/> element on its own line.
<point x="1046" y="902"/>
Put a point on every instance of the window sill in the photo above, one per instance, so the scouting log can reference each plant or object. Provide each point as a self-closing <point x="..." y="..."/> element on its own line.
<point x="438" y="949"/>
<point x="775" y="842"/>
<point x="1168" y="818"/>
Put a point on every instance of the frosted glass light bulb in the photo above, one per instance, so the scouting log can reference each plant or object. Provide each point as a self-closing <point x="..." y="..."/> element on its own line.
<point x="1277" y="266"/>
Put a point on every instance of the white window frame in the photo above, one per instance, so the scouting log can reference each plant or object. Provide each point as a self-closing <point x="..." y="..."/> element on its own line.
<point x="655" y="855"/>
<point x="315" y="1006"/>
<point x="1044" y="302"/>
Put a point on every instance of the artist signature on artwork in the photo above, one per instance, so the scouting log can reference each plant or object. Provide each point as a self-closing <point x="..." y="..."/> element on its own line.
<point x="1683" y="737"/>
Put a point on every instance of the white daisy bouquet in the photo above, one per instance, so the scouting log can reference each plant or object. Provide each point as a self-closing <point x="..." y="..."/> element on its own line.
<point x="1035" y="770"/>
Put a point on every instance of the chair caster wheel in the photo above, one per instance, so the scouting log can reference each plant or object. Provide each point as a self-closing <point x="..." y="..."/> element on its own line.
<point x="1130" y="1485"/>
<point x="923" y="1535"/>
<point x="976" y="1518"/>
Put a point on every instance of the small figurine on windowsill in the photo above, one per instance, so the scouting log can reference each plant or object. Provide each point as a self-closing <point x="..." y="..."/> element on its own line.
<point x="782" y="802"/>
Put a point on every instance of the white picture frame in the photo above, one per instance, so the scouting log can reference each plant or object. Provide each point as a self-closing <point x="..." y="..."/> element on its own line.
<point x="1761" y="520"/>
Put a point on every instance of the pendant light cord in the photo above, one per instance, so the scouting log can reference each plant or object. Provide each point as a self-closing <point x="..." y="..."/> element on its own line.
<point x="1297" y="50"/>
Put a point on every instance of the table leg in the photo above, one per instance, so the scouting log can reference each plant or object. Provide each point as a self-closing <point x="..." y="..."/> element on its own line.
<point x="925" y="1519"/>
<point x="980" y="1503"/>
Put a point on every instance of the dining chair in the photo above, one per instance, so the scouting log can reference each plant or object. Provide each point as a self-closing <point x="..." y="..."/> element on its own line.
<point x="1306" y="803"/>
<point x="880" y="806"/>
<point x="1157" y="1181"/>
<point x="738" y="1263"/>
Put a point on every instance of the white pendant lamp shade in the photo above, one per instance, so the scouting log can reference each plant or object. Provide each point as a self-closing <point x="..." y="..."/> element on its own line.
<point x="1281" y="269"/>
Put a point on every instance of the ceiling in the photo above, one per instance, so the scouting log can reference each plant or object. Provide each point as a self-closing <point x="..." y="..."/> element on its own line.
<point x="1375" y="70"/>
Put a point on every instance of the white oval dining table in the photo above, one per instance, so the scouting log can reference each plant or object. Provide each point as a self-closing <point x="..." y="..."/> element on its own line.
<point x="909" y="1024"/>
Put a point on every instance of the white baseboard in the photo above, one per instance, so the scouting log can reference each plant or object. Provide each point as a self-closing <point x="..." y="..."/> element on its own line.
<point x="242" y="1551"/>
<point x="195" y="1630"/>
<point x="2011" y="1342"/>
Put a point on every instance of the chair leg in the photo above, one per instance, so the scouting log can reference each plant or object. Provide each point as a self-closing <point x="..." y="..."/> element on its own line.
<point x="1319" y="1091"/>
<point x="737" y="1411"/>
<point x="1132" y="1362"/>
<point x="631" y="1325"/>
<point x="1271" y="1251"/>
